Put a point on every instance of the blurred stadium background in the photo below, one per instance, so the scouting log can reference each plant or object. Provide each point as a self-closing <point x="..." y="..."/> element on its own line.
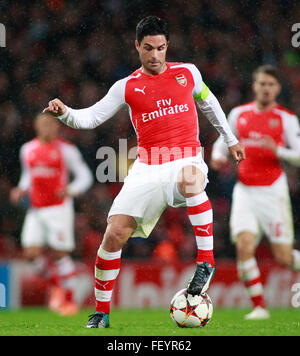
<point x="76" y="50"/>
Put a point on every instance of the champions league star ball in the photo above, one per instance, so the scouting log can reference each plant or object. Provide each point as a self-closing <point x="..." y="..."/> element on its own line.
<point x="189" y="311"/>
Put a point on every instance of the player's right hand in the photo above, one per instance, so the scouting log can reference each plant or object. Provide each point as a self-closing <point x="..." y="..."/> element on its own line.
<point x="237" y="153"/>
<point x="55" y="107"/>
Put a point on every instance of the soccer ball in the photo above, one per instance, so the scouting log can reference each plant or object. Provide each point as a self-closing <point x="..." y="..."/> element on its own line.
<point x="189" y="311"/>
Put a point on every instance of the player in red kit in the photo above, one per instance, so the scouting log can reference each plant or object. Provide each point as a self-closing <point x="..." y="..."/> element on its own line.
<point x="261" y="202"/>
<point x="47" y="161"/>
<point x="169" y="169"/>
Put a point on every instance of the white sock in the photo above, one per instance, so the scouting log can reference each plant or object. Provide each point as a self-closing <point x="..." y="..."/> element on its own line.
<point x="66" y="270"/>
<point x="249" y="273"/>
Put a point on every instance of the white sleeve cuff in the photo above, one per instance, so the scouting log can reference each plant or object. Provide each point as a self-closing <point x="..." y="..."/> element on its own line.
<point x="65" y="115"/>
<point x="232" y="142"/>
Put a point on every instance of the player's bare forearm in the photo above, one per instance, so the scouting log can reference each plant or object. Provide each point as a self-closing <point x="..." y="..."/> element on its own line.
<point x="237" y="152"/>
<point x="55" y="107"/>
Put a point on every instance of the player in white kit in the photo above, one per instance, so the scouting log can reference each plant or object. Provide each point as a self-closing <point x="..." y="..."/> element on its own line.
<point x="261" y="203"/>
<point x="169" y="169"/>
<point x="47" y="162"/>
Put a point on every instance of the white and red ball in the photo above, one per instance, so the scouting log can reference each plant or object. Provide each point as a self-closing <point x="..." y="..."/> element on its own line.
<point x="189" y="311"/>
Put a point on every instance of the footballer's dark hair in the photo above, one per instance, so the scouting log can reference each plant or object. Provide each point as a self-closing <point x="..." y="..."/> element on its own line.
<point x="151" y="26"/>
<point x="266" y="69"/>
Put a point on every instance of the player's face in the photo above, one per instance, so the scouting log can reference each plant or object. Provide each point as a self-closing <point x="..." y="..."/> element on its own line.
<point x="152" y="51"/>
<point x="46" y="127"/>
<point x="266" y="88"/>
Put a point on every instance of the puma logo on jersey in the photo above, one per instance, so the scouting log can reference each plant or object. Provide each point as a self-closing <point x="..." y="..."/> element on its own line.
<point x="204" y="230"/>
<point x="140" y="90"/>
<point x="103" y="285"/>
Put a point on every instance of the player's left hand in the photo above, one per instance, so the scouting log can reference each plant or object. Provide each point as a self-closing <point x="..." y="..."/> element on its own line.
<point x="55" y="107"/>
<point x="237" y="152"/>
<point x="66" y="193"/>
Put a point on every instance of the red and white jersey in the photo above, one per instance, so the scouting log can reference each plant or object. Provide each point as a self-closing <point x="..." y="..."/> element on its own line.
<point x="263" y="167"/>
<point x="164" y="118"/>
<point x="162" y="110"/>
<point x="46" y="168"/>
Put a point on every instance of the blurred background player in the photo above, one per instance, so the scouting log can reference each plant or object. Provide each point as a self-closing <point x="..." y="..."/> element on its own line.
<point x="261" y="202"/>
<point x="169" y="169"/>
<point x="47" y="162"/>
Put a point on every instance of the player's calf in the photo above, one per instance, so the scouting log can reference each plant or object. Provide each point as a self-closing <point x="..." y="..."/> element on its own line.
<point x="245" y="245"/>
<point x="200" y="213"/>
<point x="118" y="231"/>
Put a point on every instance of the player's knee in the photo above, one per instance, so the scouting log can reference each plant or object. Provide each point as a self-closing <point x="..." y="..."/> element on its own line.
<point x="284" y="258"/>
<point x="190" y="181"/>
<point x="31" y="253"/>
<point x="245" y="246"/>
<point x="57" y="254"/>
<point x="115" y="237"/>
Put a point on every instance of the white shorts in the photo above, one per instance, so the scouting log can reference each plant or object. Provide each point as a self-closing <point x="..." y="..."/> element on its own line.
<point x="51" y="226"/>
<point x="149" y="189"/>
<point x="263" y="210"/>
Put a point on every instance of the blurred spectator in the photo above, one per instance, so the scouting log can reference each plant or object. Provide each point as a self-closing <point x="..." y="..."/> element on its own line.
<point x="165" y="251"/>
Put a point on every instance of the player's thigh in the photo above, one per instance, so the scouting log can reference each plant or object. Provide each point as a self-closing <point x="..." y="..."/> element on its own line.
<point x="245" y="245"/>
<point x="141" y="197"/>
<point x="119" y="229"/>
<point x="33" y="231"/>
<point x="190" y="181"/>
<point x="32" y="252"/>
<point x="188" y="177"/>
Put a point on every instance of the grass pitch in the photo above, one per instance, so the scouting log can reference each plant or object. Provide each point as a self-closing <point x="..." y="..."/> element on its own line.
<point x="146" y="322"/>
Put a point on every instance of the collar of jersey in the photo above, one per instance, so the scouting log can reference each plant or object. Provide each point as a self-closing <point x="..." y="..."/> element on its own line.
<point x="156" y="75"/>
